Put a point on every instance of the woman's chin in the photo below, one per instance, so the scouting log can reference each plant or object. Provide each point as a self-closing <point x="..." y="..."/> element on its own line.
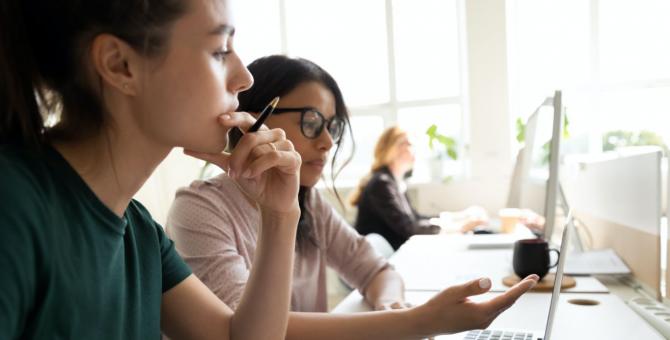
<point x="206" y="148"/>
<point x="208" y="145"/>
<point x="309" y="180"/>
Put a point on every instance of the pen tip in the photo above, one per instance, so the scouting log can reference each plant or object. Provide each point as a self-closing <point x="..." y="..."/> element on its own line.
<point x="274" y="102"/>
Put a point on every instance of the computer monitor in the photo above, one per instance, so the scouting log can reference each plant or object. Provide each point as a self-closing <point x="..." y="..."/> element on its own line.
<point x="667" y="223"/>
<point x="535" y="183"/>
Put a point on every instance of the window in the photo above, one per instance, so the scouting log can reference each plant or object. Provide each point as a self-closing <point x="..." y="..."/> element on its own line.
<point x="257" y="28"/>
<point x="610" y="58"/>
<point x="352" y="50"/>
<point x="396" y="61"/>
<point x="426" y="49"/>
<point x="633" y="39"/>
<point x="448" y="119"/>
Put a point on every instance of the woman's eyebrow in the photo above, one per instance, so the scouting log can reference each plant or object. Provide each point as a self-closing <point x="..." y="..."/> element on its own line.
<point x="223" y="29"/>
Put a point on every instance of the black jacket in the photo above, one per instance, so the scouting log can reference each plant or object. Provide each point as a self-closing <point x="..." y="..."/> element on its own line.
<point x="384" y="210"/>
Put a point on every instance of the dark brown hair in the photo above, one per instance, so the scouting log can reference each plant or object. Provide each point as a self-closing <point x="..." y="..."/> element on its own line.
<point x="277" y="75"/>
<point x="43" y="48"/>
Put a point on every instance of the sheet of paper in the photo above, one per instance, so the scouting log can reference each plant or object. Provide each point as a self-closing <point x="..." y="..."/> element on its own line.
<point x="604" y="261"/>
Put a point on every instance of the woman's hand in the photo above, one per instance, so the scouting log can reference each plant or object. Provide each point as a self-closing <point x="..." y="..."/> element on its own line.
<point x="532" y="220"/>
<point x="264" y="164"/>
<point x="471" y="224"/>
<point x="451" y="311"/>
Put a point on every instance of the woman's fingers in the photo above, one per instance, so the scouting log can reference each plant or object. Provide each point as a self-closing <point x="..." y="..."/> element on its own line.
<point x="281" y="145"/>
<point x="241" y="155"/>
<point x="265" y="153"/>
<point x="500" y="303"/>
<point x="241" y="120"/>
<point x="285" y="161"/>
<point x="463" y="291"/>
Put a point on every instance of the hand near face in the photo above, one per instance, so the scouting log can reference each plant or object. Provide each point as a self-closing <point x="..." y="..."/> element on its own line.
<point x="264" y="164"/>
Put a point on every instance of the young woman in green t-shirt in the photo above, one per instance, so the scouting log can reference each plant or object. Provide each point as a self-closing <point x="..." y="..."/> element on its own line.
<point x="93" y="96"/>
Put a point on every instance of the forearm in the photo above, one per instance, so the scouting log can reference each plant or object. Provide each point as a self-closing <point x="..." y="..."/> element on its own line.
<point x="263" y="309"/>
<point x="386" y="287"/>
<point x="395" y="324"/>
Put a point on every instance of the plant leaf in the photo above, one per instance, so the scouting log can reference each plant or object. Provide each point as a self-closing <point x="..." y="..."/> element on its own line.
<point x="431" y="130"/>
<point x="520" y="130"/>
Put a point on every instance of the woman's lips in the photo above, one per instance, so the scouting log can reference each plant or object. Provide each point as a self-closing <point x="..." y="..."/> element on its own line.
<point x="316" y="163"/>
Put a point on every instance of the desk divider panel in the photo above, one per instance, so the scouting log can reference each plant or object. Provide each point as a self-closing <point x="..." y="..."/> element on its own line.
<point x="619" y="202"/>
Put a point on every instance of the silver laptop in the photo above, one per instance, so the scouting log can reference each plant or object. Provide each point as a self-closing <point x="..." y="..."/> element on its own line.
<point x="492" y="334"/>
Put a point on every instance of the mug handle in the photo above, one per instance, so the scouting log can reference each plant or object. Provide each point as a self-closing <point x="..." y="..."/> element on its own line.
<point x="558" y="256"/>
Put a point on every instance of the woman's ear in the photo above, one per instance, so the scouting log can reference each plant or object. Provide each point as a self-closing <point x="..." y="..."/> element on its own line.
<point x="117" y="63"/>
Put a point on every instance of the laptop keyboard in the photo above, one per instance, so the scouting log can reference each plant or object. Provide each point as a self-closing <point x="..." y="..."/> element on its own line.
<point x="497" y="335"/>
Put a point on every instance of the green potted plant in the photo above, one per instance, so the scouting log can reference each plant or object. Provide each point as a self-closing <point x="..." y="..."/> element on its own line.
<point x="443" y="147"/>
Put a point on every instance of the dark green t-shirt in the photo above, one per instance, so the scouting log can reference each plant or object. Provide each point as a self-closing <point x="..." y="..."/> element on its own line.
<point x="69" y="267"/>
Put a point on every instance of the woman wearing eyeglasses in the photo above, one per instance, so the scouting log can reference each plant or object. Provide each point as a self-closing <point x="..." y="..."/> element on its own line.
<point x="213" y="223"/>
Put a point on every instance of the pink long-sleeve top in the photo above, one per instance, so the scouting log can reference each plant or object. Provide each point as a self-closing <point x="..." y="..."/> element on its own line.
<point x="215" y="228"/>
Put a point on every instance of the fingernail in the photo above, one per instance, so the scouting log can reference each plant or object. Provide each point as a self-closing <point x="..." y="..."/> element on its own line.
<point x="225" y="116"/>
<point x="484" y="283"/>
<point x="231" y="173"/>
<point x="247" y="174"/>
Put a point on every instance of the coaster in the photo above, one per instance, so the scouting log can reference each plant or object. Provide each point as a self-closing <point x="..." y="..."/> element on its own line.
<point x="545" y="285"/>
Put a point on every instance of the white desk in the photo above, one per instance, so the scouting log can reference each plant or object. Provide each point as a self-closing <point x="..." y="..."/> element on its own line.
<point x="611" y="319"/>
<point x="418" y="259"/>
<point x="429" y="264"/>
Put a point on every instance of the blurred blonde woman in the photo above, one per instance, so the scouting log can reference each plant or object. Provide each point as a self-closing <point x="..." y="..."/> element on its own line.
<point x="383" y="205"/>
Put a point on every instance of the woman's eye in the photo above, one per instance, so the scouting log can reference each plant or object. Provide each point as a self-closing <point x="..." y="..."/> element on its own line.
<point x="221" y="54"/>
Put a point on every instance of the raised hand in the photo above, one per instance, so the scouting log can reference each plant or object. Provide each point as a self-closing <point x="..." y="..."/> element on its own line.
<point x="264" y="164"/>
